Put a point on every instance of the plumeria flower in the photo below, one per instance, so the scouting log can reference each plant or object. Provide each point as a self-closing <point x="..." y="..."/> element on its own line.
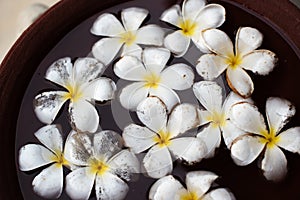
<point x="243" y="57"/>
<point x="49" y="182"/>
<point x="163" y="136"/>
<point x="127" y="34"/>
<point x="84" y="86"/>
<point x="101" y="162"/>
<point x="260" y="140"/>
<point x="151" y="78"/>
<point x="216" y="115"/>
<point x="194" y="18"/>
<point x="198" y="185"/>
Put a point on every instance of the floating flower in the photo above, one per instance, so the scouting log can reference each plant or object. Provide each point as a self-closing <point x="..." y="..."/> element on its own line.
<point x="258" y="139"/>
<point x="84" y="85"/>
<point x="48" y="183"/>
<point x="152" y="79"/>
<point x="244" y="57"/>
<point x="216" y="115"/>
<point x="194" y="18"/>
<point x="163" y="136"/>
<point x="101" y="161"/>
<point x="198" y="184"/>
<point x="129" y="35"/>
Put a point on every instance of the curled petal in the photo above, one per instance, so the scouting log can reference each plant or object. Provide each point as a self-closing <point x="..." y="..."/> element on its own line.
<point x="290" y="140"/>
<point x="132" y="95"/>
<point x="247" y="39"/>
<point x="32" y="156"/>
<point x="231" y="99"/>
<point x="150" y="35"/>
<point x="230" y="132"/>
<point x="107" y="25"/>
<point x="178" y="77"/>
<point x="138" y="138"/>
<point x="211" y="16"/>
<point x="133" y="17"/>
<point x="152" y="112"/>
<point x="240" y="82"/>
<point x="279" y="111"/>
<point x="49" y="183"/>
<point x="156" y="59"/>
<point x="158" y="162"/>
<point x="172" y="15"/>
<point x="260" y="61"/>
<point x="101" y="89"/>
<point x="48" y="104"/>
<point x="211" y="66"/>
<point x="83" y="116"/>
<point x="177" y="43"/>
<point x="246" y="149"/>
<point x="192" y="8"/>
<point x="60" y="71"/>
<point x="274" y="164"/>
<point x="106" y="49"/>
<point x="219" y="194"/>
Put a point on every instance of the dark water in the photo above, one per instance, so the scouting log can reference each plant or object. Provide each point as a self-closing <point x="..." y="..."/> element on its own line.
<point x="244" y="182"/>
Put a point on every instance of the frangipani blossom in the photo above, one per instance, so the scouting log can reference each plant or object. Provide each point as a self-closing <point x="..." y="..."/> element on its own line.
<point x="84" y="86"/>
<point x="49" y="182"/>
<point x="198" y="185"/>
<point x="151" y="78"/>
<point x="194" y="18"/>
<point x="101" y="162"/>
<point x="260" y="140"/>
<point x="216" y="115"/>
<point x="163" y="136"/>
<point x="236" y="61"/>
<point x="128" y="34"/>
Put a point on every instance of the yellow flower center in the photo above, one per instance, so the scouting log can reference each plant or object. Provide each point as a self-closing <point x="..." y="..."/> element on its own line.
<point x="98" y="167"/>
<point x="234" y="61"/>
<point x="128" y="38"/>
<point x="188" y="27"/>
<point x="59" y="159"/>
<point x="217" y="119"/>
<point x="74" y="93"/>
<point x="269" y="138"/>
<point x="152" y="80"/>
<point x="162" y="139"/>
<point x="189" y="196"/>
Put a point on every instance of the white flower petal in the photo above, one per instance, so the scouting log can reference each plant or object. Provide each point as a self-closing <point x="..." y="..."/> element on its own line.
<point x="231" y="99"/>
<point x="109" y="186"/>
<point x="150" y="35"/>
<point x="260" y="61"/>
<point x="60" y="71"/>
<point x="106" y="49"/>
<point x="204" y="116"/>
<point x="32" y="156"/>
<point x="130" y="68"/>
<point x="165" y="188"/>
<point x="211" y="66"/>
<point x="191" y="150"/>
<point x="101" y="89"/>
<point x="247" y="40"/>
<point x="49" y="183"/>
<point x="133" y="17"/>
<point x="51" y="137"/>
<point x="199" y="181"/>
<point x="167" y="95"/>
<point x="209" y="94"/>
<point x="138" y="138"/>
<point x="274" y="164"/>
<point x="211" y="16"/>
<point x="183" y="117"/>
<point x="240" y="82"/>
<point x="156" y="59"/>
<point x="132" y="50"/>
<point x="47" y="105"/>
<point x="219" y="194"/>
<point x="152" y="112"/>
<point x="200" y="44"/>
<point x="178" y="76"/>
<point x="279" y="111"/>
<point x="132" y="95"/>
<point x="211" y="136"/>
<point x="107" y="25"/>
<point x="247" y="117"/>
<point x="218" y="42"/>
<point x="191" y="8"/>
<point x="177" y="43"/>
<point x="83" y="116"/>
<point x="290" y="140"/>
<point x="172" y="15"/>
<point x="79" y="183"/>
<point x="246" y="149"/>
<point x="230" y="132"/>
<point x="158" y="162"/>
